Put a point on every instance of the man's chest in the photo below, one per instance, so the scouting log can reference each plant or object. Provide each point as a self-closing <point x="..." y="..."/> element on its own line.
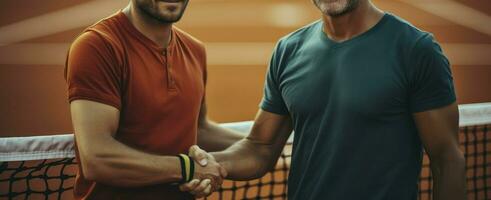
<point x="160" y="83"/>
<point x="370" y="85"/>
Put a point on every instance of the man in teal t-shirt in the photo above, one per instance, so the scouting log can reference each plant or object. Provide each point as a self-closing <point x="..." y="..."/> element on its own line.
<point x="364" y="92"/>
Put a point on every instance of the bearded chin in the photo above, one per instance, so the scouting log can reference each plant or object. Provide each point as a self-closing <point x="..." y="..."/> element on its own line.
<point x="163" y="18"/>
<point x="168" y="20"/>
<point x="350" y="6"/>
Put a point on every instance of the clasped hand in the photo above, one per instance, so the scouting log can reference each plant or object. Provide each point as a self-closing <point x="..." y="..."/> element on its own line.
<point x="208" y="174"/>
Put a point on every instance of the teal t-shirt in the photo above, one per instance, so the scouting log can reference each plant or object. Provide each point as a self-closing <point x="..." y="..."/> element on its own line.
<point x="352" y="103"/>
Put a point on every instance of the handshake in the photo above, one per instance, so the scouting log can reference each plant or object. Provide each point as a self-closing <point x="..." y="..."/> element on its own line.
<point x="208" y="174"/>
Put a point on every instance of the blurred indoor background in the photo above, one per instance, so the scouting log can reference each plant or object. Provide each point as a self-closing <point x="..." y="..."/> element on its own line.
<point x="239" y="35"/>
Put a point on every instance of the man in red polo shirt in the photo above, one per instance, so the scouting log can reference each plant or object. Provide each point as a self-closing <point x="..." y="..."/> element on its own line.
<point x="136" y="86"/>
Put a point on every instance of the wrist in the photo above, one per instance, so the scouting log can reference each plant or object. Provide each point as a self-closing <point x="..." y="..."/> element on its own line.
<point x="220" y="158"/>
<point x="174" y="175"/>
<point x="187" y="168"/>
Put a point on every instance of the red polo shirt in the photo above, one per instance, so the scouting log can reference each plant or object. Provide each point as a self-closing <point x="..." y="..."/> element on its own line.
<point x="158" y="91"/>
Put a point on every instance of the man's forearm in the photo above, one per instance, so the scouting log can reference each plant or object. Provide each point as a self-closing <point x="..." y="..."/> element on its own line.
<point x="123" y="166"/>
<point x="254" y="155"/>
<point x="245" y="160"/>
<point x="213" y="137"/>
<point x="449" y="178"/>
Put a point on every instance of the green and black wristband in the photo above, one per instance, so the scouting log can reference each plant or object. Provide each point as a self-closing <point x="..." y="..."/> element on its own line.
<point x="187" y="168"/>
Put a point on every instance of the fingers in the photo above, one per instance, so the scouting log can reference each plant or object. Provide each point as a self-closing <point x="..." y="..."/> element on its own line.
<point x="186" y="187"/>
<point x="211" y="175"/>
<point x="200" y="189"/>
<point x="216" y="183"/>
<point x="198" y="155"/>
<point x="203" y="188"/>
<point x="206" y="192"/>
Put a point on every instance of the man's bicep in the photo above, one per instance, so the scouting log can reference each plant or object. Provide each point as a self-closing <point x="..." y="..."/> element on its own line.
<point x="94" y="125"/>
<point x="93" y="121"/>
<point x="438" y="129"/>
<point x="270" y="128"/>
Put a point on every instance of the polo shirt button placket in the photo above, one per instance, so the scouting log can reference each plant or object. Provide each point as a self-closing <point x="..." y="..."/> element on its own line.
<point x="170" y="79"/>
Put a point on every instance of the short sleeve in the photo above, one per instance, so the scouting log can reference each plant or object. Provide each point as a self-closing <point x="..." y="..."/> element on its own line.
<point x="272" y="99"/>
<point x="431" y="82"/>
<point x="92" y="71"/>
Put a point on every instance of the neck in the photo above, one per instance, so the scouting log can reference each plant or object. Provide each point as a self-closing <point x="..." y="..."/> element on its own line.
<point x="156" y="31"/>
<point x="356" y="22"/>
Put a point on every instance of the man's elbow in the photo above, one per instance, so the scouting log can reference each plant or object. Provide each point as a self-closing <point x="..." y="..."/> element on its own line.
<point x="454" y="157"/>
<point x="263" y="171"/>
<point x="93" y="168"/>
<point x="265" y="163"/>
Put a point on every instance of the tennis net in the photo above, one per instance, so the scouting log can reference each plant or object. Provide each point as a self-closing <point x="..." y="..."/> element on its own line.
<point x="44" y="167"/>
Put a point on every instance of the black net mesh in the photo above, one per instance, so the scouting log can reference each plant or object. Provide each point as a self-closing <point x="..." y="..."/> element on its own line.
<point x="53" y="179"/>
<point x="39" y="179"/>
